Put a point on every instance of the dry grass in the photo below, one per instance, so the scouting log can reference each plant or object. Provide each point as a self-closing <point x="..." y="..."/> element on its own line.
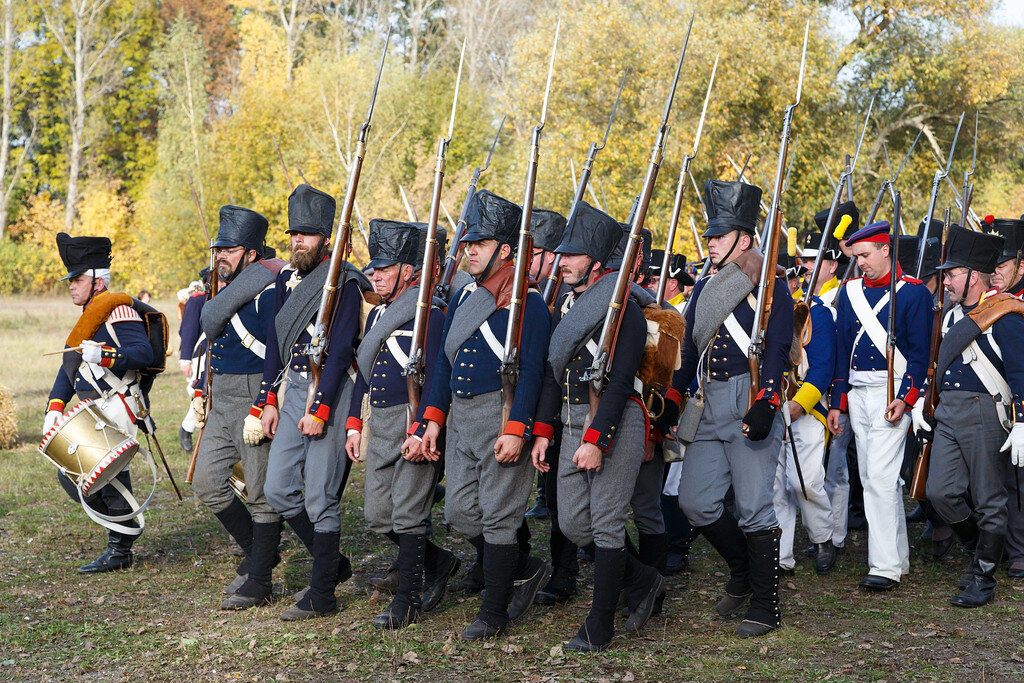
<point x="160" y="620"/>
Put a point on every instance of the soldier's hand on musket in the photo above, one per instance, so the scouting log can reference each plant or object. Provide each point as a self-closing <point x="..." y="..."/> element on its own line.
<point x="429" y="447"/>
<point x="352" y="445"/>
<point x="311" y="425"/>
<point x="833" y="421"/>
<point x="269" y="420"/>
<point x="588" y="457"/>
<point x="757" y="423"/>
<point x="539" y="452"/>
<point x="796" y="411"/>
<point x="894" y="411"/>
<point x="199" y="410"/>
<point x="649" y="450"/>
<point x="507" y="448"/>
<point x="923" y="426"/>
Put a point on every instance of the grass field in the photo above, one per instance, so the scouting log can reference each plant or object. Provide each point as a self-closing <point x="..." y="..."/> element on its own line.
<point x="160" y="620"/>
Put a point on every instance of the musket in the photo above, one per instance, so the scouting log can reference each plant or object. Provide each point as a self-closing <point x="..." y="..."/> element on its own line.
<point x="212" y="292"/>
<point x="318" y="340"/>
<point x="696" y="238"/>
<point x="359" y="222"/>
<point x="414" y="370"/>
<point x="405" y="200"/>
<point x="451" y="262"/>
<point x="770" y="238"/>
<point x="524" y="253"/>
<point x="703" y="208"/>
<point x="554" y="275"/>
<point x="597" y="375"/>
<point x="684" y="169"/>
<point x="448" y="216"/>
<point x="231" y="197"/>
<point x="972" y="218"/>
<point x="939" y="175"/>
<point x="845" y="181"/>
<point x="968" y="192"/>
<point x="931" y="398"/>
<point x="890" y="337"/>
<point x="284" y="167"/>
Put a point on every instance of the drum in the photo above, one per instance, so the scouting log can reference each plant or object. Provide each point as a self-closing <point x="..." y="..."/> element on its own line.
<point x="237" y="480"/>
<point x="87" y="448"/>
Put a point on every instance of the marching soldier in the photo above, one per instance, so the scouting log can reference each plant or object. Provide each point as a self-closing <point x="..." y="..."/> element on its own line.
<point x="598" y="467"/>
<point x="981" y="385"/>
<point x="307" y="468"/>
<point x="192" y="353"/>
<point x="236" y="322"/>
<point x="115" y="347"/>
<point x="678" y="278"/>
<point x="862" y="310"/>
<point x="488" y="478"/>
<point x="399" y="490"/>
<point x="720" y="454"/>
<point x="828" y="284"/>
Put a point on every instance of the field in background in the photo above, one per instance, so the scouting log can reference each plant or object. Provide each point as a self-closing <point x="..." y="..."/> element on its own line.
<point x="160" y="620"/>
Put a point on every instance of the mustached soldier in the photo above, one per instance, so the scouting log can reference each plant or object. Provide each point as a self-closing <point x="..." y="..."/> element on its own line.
<point x="981" y="385"/>
<point x="880" y="428"/>
<point x="307" y="468"/>
<point x="115" y="348"/>
<point x="399" y="490"/>
<point x="236" y="321"/>
<point x="597" y="466"/>
<point x="722" y="452"/>
<point x="488" y="479"/>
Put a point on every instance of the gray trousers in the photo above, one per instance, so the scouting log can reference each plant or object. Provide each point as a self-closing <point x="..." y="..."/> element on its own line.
<point x="721" y="457"/>
<point x="966" y="457"/>
<point x="1014" y="517"/>
<point x="837" y="480"/>
<point x="646" y="500"/>
<point x="222" y="446"/>
<point x="483" y="496"/>
<point x="304" y="472"/>
<point x="594" y="506"/>
<point x="398" y="493"/>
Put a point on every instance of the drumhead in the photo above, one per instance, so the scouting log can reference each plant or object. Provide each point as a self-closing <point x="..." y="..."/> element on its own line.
<point x="110" y="466"/>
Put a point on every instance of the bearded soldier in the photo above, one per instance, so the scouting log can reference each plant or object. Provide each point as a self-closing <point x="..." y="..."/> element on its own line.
<point x="880" y="427"/>
<point x="236" y="322"/>
<point x="399" y="490"/>
<point x="488" y="478"/>
<point x="114" y="348"/>
<point x="598" y="466"/>
<point x="722" y="451"/>
<point x="307" y="467"/>
<point x="981" y="383"/>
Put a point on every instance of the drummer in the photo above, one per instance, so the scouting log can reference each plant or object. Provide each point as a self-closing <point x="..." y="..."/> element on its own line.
<point x="114" y="348"/>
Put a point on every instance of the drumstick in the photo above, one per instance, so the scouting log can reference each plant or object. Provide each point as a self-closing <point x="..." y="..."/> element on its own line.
<point x="63" y="351"/>
<point x="167" y="467"/>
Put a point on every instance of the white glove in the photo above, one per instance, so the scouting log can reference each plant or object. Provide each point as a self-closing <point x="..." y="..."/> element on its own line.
<point x="917" y="415"/>
<point x="51" y="419"/>
<point x="199" y="410"/>
<point x="252" y="430"/>
<point x="1015" y="444"/>
<point x="92" y="352"/>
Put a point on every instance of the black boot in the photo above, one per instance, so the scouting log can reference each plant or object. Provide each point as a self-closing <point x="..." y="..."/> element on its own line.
<point x="725" y="536"/>
<point x="263" y="557"/>
<point x="824" y="557"/>
<point x="597" y="630"/>
<point x="967" y="531"/>
<point x="118" y="554"/>
<point x="653" y="551"/>
<point x="562" y="585"/>
<point x="499" y="574"/>
<point x="473" y="581"/>
<point x="440" y="566"/>
<point x="763" y="616"/>
<point x="540" y="508"/>
<point x="405" y="607"/>
<point x="641" y="586"/>
<point x="531" y="573"/>
<point x="320" y="600"/>
<point x="981" y="588"/>
<point x="303" y="528"/>
<point x="237" y="521"/>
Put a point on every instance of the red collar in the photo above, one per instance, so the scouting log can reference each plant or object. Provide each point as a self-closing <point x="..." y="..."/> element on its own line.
<point x="885" y="280"/>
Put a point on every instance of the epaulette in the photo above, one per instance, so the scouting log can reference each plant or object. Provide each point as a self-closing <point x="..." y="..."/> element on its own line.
<point x="124" y="314"/>
<point x="911" y="280"/>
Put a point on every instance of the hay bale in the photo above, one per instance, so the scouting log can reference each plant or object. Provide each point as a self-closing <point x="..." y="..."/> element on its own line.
<point x="8" y="419"/>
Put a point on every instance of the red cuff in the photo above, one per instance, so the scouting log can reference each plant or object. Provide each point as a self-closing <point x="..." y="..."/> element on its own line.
<point x="543" y="430"/>
<point x="109" y="354"/>
<point x="769" y="395"/>
<point x="322" y="412"/>
<point x="197" y="393"/>
<point x="413" y="429"/>
<point x="911" y="398"/>
<point x="592" y="436"/>
<point x="674" y="396"/>
<point x="844" y="403"/>
<point x="654" y="435"/>
<point x="354" y="423"/>
<point x="515" y="428"/>
<point x="256" y="411"/>
<point x="55" y="404"/>
<point x="434" y="415"/>
<point x="271" y="399"/>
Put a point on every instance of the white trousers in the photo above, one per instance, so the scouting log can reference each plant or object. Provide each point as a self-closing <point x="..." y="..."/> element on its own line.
<point x="879" y="457"/>
<point x="815" y="508"/>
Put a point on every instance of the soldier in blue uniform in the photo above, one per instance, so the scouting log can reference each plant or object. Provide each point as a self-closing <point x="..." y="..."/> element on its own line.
<point x="307" y="465"/>
<point x="191" y="354"/>
<point x="598" y="467"/>
<point x="488" y="474"/>
<point x="720" y="454"/>
<point x="399" y="489"/>
<point x="107" y="371"/>
<point x="981" y="398"/>
<point x="880" y="427"/>
<point x="236" y="322"/>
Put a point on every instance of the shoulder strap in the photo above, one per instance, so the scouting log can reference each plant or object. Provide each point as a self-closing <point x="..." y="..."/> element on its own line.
<point x="870" y="324"/>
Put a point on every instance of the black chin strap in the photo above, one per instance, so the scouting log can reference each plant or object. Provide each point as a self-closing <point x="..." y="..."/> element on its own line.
<point x="486" y="273"/>
<point x="586" y="275"/>
<point x="394" y="288"/>
<point x="967" y="285"/>
<point x="729" y="253"/>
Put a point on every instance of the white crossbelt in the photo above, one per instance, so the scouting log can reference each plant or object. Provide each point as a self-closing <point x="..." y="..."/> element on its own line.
<point x="736" y="331"/>
<point x="871" y="325"/>
<point x="392" y="343"/>
<point x="248" y="340"/>
<point x="497" y="348"/>
<point x="995" y="384"/>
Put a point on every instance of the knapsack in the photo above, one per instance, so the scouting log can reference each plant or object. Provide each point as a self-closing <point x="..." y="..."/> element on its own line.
<point x="157" y="332"/>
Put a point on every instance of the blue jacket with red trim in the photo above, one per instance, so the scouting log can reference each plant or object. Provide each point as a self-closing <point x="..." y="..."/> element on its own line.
<point x="189" y="331"/>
